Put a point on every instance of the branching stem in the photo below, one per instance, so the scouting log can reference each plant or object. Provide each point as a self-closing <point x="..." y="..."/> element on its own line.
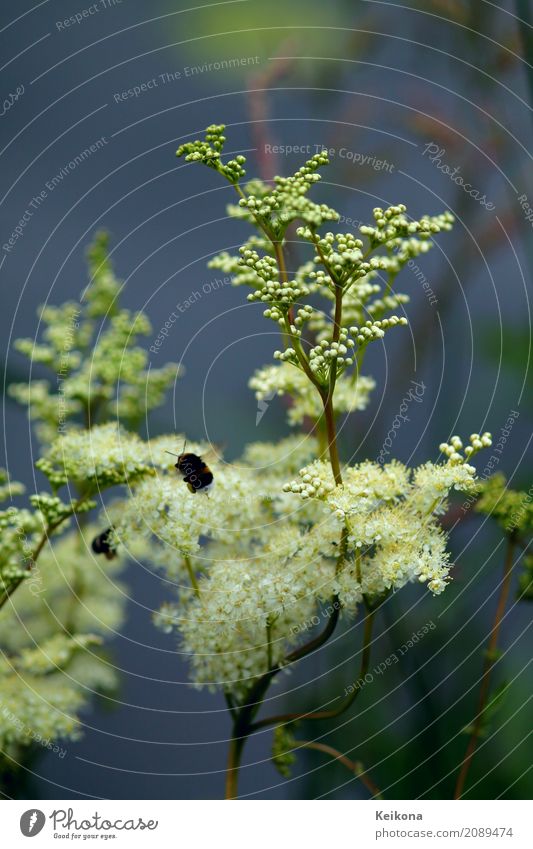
<point x="346" y="702"/>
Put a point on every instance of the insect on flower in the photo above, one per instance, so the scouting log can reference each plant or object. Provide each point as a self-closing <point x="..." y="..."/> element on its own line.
<point x="103" y="544"/>
<point x="196" y="473"/>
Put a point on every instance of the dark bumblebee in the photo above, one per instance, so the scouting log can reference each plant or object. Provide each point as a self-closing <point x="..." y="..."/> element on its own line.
<point x="196" y="473"/>
<point x="102" y="544"/>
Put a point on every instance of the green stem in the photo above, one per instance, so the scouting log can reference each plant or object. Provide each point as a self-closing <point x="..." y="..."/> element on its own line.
<point x="327" y="399"/>
<point x="332" y="439"/>
<point x="280" y="259"/>
<point x="321" y="433"/>
<point x="192" y="576"/>
<point x="234" y="762"/>
<point x="302" y="359"/>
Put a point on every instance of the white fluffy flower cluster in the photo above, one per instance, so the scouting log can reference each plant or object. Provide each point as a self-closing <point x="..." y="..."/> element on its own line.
<point x="249" y="613"/>
<point x="253" y="565"/>
<point x="162" y="511"/>
<point x="247" y="569"/>
<point x="104" y="456"/>
<point x="390" y="513"/>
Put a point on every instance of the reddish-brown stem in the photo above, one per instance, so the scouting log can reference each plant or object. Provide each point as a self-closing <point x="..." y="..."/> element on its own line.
<point x="490" y="660"/>
<point x="354" y="766"/>
<point x="259" y="86"/>
<point x="345" y="703"/>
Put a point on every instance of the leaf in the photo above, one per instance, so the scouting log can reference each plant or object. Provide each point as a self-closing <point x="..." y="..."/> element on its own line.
<point x="283" y="746"/>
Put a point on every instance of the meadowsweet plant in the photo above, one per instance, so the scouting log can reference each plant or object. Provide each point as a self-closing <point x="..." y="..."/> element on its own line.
<point x="57" y="601"/>
<point x="288" y="531"/>
<point x="289" y="540"/>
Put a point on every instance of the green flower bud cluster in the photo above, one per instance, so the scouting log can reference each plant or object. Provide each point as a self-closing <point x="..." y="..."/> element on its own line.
<point x="338" y="354"/>
<point x="265" y="267"/>
<point x="262" y="207"/>
<point x="316" y="481"/>
<point x="53" y="510"/>
<point x="304" y="178"/>
<point x="373" y="330"/>
<point x="61" y="337"/>
<point x="297" y="207"/>
<point x="402" y="250"/>
<point x="242" y="273"/>
<point x="287" y="189"/>
<point x="303" y="315"/>
<point x="209" y="153"/>
<point x="100" y="297"/>
<point x="342" y="257"/>
<point x="328" y="353"/>
<point x="288" y="202"/>
<point x="281" y="295"/>
<point x="453" y="449"/>
<point x="253" y="188"/>
<point x="393" y="222"/>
